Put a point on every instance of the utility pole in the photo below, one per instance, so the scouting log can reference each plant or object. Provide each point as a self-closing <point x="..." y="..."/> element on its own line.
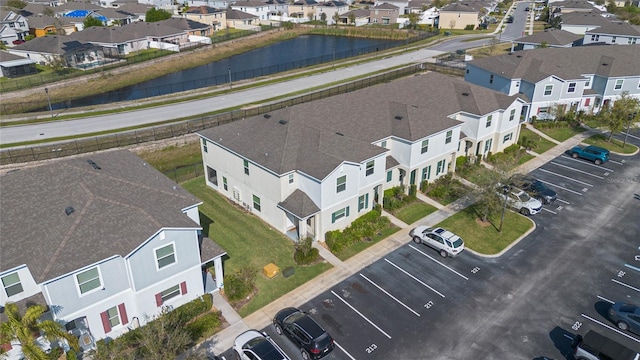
<point x="46" y="90"/>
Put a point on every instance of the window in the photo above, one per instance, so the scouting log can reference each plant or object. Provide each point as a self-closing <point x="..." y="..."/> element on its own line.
<point x="548" y="89"/>
<point x="487" y="145"/>
<point x="384" y="144"/>
<point x="213" y="176"/>
<point x="363" y="202"/>
<point x="426" y="173"/>
<point x="587" y="85"/>
<point x="170" y="293"/>
<point x="572" y="87"/>
<point x="246" y="167"/>
<point x="204" y="145"/>
<point x="88" y="280"/>
<point x="489" y="118"/>
<point x="491" y="79"/>
<point x="512" y="114"/>
<point x="113" y="316"/>
<point x="425" y="146"/>
<point x="290" y="178"/>
<point x="448" y="138"/>
<point x="595" y="37"/>
<point x="389" y="175"/>
<point x="587" y="101"/>
<point x="440" y="166"/>
<point x="507" y="138"/>
<point x="619" y="84"/>
<point x="369" y="168"/>
<point x="165" y="256"/>
<point x="613" y="40"/>
<point x="256" y="202"/>
<point x="224" y="184"/>
<point x="341" y="183"/>
<point x="339" y="214"/>
<point x="12" y="284"/>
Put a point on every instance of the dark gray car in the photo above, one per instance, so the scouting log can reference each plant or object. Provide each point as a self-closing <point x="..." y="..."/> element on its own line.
<point x="535" y="188"/>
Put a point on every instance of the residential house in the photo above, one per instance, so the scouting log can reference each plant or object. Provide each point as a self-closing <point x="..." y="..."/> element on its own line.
<point x="216" y="18"/>
<point x="579" y="23"/>
<point x="400" y="4"/>
<point x="429" y="17"/>
<point x="418" y="6"/>
<point x="14" y="66"/>
<point x="71" y="52"/>
<point x="306" y="170"/>
<point x="359" y="16"/>
<point x="31" y="9"/>
<point x="259" y="9"/>
<point x="69" y="6"/>
<point x="116" y="16"/>
<point x="553" y="76"/>
<point x="384" y="14"/>
<point x="331" y="9"/>
<point x="548" y="38"/>
<point x="137" y="10"/>
<point x="111" y="243"/>
<point x="77" y="17"/>
<point x="303" y="9"/>
<point x="614" y="33"/>
<point x="13" y="26"/>
<point x="277" y="7"/>
<point x="197" y="31"/>
<point x="459" y="15"/>
<point x="43" y="25"/>
<point x="241" y="20"/>
<point x="571" y="6"/>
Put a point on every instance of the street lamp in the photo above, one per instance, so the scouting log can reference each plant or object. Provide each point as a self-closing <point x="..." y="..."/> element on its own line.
<point x="46" y="90"/>
<point x="505" y="191"/>
<point x="631" y="117"/>
<point x="229" y="76"/>
<point x="334" y="56"/>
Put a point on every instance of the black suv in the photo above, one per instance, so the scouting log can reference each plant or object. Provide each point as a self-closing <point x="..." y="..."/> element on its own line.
<point x="535" y="188"/>
<point x="299" y="327"/>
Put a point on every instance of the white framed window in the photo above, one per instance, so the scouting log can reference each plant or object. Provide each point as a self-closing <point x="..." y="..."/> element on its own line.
<point x="344" y="212"/>
<point x="548" y="89"/>
<point x="449" y="136"/>
<point x="613" y="40"/>
<point x="425" y="146"/>
<point x="384" y="144"/>
<point x="426" y="173"/>
<point x="512" y="114"/>
<point x="246" y="167"/>
<point x="489" y="118"/>
<point x="88" y="280"/>
<point x="165" y="256"/>
<point x="212" y="174"/>
<point x="619" y="84"/>
<point x="587" y="85"/>
<point x="12" y="284"/>
<point x="256" y="203"/>
<point x="204" y="145"/>
<point x="389" y="175"/>
<point x="369" y="168"/>
<point x="363" y="202"/>
<point x="341" y="183"/>
<point x="113" y="316"/>
<point x="507" y="137"/>
<point x="572" y="87"/>
<point x="290" y="178"/>
<point x="224" y="184"/>
<point x="170" y="293"/>
<point x="440" y="167"/>
<point x="487" y="145"/>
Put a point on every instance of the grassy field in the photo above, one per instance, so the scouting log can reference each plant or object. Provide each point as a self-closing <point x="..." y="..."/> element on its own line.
<point x="348" y="252"/>
<point x="538" y="143"/>
<point x="562" y="133"/>
<point x="484" y="237"/>
<point x="414" y="212"/>
<point x="615" y="145"/>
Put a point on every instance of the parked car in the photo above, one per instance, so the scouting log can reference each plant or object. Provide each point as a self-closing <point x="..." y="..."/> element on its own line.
<point x="535" y="188"/>
<point x="254" y="345"/>
<point x="314" y="342"/>
<point x="527" y="9"/>
<point x="594" y="346"/>
<point x="18" y="42"/>
<point x="625" y="316"/>
<point x="509" y="19"/>
<point x="446" y="242"/>
<point x="593" y="153"/>
<point x="521" y="201"/>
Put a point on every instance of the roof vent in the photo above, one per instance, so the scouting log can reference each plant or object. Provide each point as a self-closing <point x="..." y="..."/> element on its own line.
<point x="605" y="64"/>
<point x="93" y="163"/>
<point x="465" y="94"/>
<point x="398" y="117"/>
<point x="267" y="116"/>
<point x="282" y="122"/>
<point x="69" y="210"/>
<point x="341" y="134"/>
<point x="518" y="56"/>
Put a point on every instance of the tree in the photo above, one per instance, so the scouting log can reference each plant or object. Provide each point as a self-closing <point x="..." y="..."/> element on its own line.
<point x="493" y="43"/>
<point x="16" y="4"/>
<point x="90" y="21"/>
<point x="323" y="17"/>
<point x="352" y="18"/>
<point x="413" y="20"/>
<point x="163" y="338"/>
<point x="25" y="328"/>
<point x="154" y="15"/>
<point x="621" y="115"/>
<point x="310" y="15"/>
<point x="336" y="19"/>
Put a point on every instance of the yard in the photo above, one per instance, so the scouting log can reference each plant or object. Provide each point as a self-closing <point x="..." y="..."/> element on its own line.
<point x="561" y="132"/>
<point x="413" y="211"/>
<point x="615" y="145"/>
<point x="537" y="143"/>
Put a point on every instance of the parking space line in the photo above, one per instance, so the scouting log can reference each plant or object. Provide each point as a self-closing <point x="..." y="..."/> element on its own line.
<point x="389" y="295"/>
<point x="343" y="350"/>
<point x="425" y="254"/>
<point x="605" y="299"/>
<point x="564" y="201"/>
<point x="631" y="135"/>
<point x="577" y="170"/>
<point x="568" y="178"/>
<point x="587" y="163"/>
<point x="359" y="313"/>
<point x="610" y="328"/>
<point x="616" y="162"/>
<point x="625" y="285"/>
<point x="415" y="278"/>
<point x="547" y="210"/>
<point x="632" y="267"/>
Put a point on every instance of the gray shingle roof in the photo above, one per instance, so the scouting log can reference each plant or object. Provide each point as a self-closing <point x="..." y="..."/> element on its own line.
<point x="209" y="250"/>
<point x="55" y="44"/>
<point x="551" y="37"/>
<point x="130" y="32"/>
<point x="185" y="24"/>
<point x="299" y="204"/>
<point x="616" y="28"/>
<point x="358" y="13"/>
<point x="249" y="3"/>
<point x="205" y="10"/>
<point x="116" y="208"/>
<point x="537" y="64"/>
<point x="385" y="6"/>
<point x="582" y="18"/>
<point x="135" y="8"/>
<point x="42" y="21"/>
<point x="7" y="56"/>
<point x="391" y="162"/>
<point x="316" y="137"/>
<point x="462" y="7"/>
<point x="233" y="14"/>
<point x="75" y="5"/>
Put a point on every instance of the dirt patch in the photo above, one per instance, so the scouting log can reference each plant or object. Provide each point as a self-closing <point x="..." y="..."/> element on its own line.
<point x="483" y="223"/>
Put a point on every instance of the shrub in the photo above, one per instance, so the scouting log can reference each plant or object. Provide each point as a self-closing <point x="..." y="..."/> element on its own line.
<point x="469" y="27"/>
<point x="364" y="227"/>
<point x="305" y="253"/>
<point x="194" y="308"/>
<point x="424" y="186"/>
<point x="203" y="325"/>
<point x="412" y="191"/>
<point x="239" y="285"/>
<point x="461" y="161"/>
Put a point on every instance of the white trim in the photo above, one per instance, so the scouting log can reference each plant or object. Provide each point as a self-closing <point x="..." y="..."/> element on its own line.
<point x="175" y="257"/>
<point x="75" y="280"/>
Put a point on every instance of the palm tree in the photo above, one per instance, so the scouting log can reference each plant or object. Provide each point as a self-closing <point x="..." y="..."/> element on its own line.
<point x="22" y="328"/>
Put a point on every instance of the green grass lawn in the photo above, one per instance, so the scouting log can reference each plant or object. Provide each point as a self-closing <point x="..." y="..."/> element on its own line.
<point x="249" y="241"/>
<point x="562" y="133"/>
<point x="538" y="143"/>
<point x="348" y="252"/>
<point x="484" y="237"/>
<point x="615" y="145"/>
<point x="414" y="211"/>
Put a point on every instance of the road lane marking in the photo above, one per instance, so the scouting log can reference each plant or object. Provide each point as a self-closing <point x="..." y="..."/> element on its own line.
<point x="625" y="285"/>
<point x="632" y="267"/>
<point x="414" y="278"/>
<point x="610" y="328"/>
<point x="577" y="170"/>
<point x="615" y="162"/>
<point x="568" y="178"/>
<point x="553" y="212"/>
<point x="631" y="135"/>
<point x="359" y="313"/>
<point x="587" y="163"/>
<point x="605" y="299"/>
<point x="389" y="295"/>
<point x="448" y="268"/>
<point x="343" y="350"/>
<point x="564" y="201"/>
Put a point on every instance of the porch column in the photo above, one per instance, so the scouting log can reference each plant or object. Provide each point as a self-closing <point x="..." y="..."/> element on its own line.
<point x="217" y="265"/>
<point x="302" y="229"/>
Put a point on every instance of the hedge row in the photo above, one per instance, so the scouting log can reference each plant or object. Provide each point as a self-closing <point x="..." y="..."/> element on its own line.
<point x="363" y="228"/>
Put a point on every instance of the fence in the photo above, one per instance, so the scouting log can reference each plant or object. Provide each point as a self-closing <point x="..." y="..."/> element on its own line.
<point x="75" y="147"/>
<point x="185" y="172"/>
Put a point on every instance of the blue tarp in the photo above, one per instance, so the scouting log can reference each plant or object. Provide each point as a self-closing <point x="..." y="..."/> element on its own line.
<point x="84" y="14"/>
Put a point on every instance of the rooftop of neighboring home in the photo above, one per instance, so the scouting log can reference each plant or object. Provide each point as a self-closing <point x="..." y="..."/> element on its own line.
<point x="551" y="37"/>
<point x="34" y="9"/>
<point x="204" y="10"/>
<point x="66" y="214"/>
<point x="538" y="64"/>
<point x="55" y="44"/>
<point x="7" y="57"/>
<point x="185" y="24"/>
<point x="572" y="4"/>
<point x="249" y="3"/>
<point x="316" y="137"/>
<point x="233" y="14"/>
<point x="333" y="3"/>
<point x="133" y="31"/>
<point x="114" y="13"/>
<point x="464" y="6"/>
<point x="358" y="13"/>
<point x="76" y="5"/>
<point x="616" y="28"/>
<point x="581" y="18"/>
<point x="385" y="6"/>
<point x="42" y="21"/>
<point x="134" y="8"/>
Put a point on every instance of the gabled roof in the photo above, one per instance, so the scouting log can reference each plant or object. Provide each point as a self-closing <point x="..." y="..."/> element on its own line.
<point x="581" y="18"/>
<point x="471" y="7"/>
<point x="537" y="64"/>
<point x="75" y="5"/>
<point x="572" y="4"/>
<point x="316" y="137"/>
<point x="135" y="8"/>
<point x="43" y="21"/>
<point x="333" y="3"/>
<point x="551" y="37"/>
<point x="616" y="28"/>
<point x="299" y="204"/>
<point x="306" y="2"/>
<point x="33" y="9"/>
<point x="204" y="10"/>
<point x="419" y="3"/>
<point x="385" y="6"/>
<point x="358" y="13"/>
<point x="115" y="209"/>
<point x="185" y="24"/>
<point x="55" y="44"/>
<point x="130" y="32"/>
<point x="114" y="14"/>
<point x="9" y="57"/>
<point x="249" y="3"/>
<point x="233" y="14"/>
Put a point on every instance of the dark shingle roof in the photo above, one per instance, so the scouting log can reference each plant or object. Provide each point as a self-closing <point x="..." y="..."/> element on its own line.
<point x="582" y="18"/>
<point x="42" y="21"/>
<point x="204" y="10"/>
<point x="299" y="204"/>
<point x="537" y="64"/>
<point x="233" y="14"/>
<point x="55" y="44"/>
<point x="385" y="6"/>
<point x="116" y="208"/>
<point x="7" y="56"/>
<point x="616" y="28"/>
<point x="551" y="37"/>
<point x="358" y="13"/>
<point x="133" y="31"/>
<point x="135" y="8"/>
<point x="462" y="7"/>
<point x="391" y="162"/>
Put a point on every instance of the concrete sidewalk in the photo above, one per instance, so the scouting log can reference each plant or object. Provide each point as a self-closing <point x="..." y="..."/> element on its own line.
<point x="341" y="270"/>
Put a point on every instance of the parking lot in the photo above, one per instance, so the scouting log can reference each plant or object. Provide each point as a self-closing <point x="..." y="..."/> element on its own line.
<point x="527" y="304"/>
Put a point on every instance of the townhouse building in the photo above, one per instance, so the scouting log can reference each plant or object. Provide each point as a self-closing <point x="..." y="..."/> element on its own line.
<point x="315" y="167"/>
<point x="614" y="33"/>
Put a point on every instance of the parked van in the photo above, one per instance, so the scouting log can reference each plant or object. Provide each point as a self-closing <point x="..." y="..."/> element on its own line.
<point x="594" y="346"/>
